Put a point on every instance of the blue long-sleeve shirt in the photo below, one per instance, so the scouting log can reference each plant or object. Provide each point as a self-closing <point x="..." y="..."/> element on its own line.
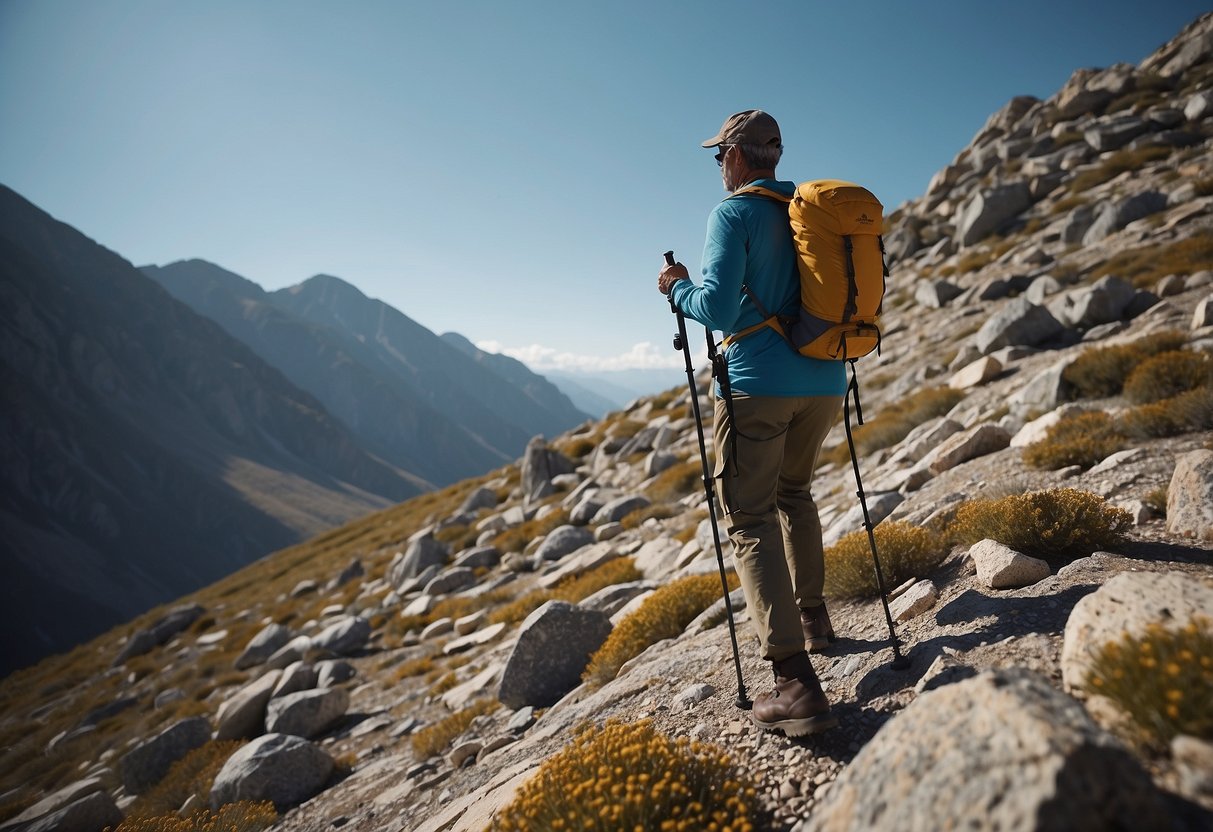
<point x="749" y="242"/>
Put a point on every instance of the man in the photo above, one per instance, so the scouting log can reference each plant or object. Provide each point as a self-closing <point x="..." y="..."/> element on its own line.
<point x="783" y="405"/>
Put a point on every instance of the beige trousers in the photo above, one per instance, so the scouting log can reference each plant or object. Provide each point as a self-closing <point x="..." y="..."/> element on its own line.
<point x="764" y="473"/>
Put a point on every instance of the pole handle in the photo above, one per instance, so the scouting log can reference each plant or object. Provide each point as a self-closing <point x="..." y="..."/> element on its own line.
<point x="669" y="258"/>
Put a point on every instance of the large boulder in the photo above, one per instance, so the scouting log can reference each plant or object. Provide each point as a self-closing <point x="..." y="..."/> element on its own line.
<point x="1001" y="567"/>
<point x="344" y="636"/>
<point x="936" y="293"/>
<point x="1128" y="605"/>
<point x="243" y="713"/>
<point x="265" y="644"/>
<point x="1113" y="216"/>
<point x="482" y="497"/>
<point x="451" y="580"/>
<point x="167" y="626"/>
<point x="1114" y="132"/>
<point x="617" y="509"/>
<point x="563" y="540"/>
<point x="990" y="208"/>
<point x="1019" y="323"/>
<point x="423" y="552"/>
<point x="91" y="812"/>
<point x="146" y="764"/>
<point x="1000" y="750"/>
<point x="277" y="767"/>
<point x="308" y="713"/>
<point x="539" y="465"/>
<point x="1103" y="302"/>
<point x="970" y="444"/>
<point x="1190" y="496"/>
<point x="553" y="648"/>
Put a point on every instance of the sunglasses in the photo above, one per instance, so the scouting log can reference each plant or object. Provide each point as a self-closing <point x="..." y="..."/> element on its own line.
<point x="724" y="149"/>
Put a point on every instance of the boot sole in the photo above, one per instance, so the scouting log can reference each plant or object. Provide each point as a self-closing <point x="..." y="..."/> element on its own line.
<point x="819" y="643"/>
<point x="799" y="727"/>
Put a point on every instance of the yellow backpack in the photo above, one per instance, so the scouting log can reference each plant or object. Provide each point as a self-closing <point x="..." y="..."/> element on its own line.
<point x="837" y="228"/>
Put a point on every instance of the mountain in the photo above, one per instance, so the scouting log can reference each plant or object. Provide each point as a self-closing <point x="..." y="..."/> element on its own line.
<point x="604" y="390"/>
<point x="146" y="452"/>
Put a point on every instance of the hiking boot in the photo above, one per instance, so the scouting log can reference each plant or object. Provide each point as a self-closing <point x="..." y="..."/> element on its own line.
<point x="797" y="706"/>
<point x="818" y="631"/>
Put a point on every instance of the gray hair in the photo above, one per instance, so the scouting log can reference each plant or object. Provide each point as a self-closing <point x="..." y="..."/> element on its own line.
<point x="761" y="156"/>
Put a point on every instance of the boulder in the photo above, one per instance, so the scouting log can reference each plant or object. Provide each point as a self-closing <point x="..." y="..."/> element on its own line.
<point x="1000" y="750"/>
<point x="1043" y="392"/>
<point x="970" y="444"/>
<point x="1190" y="496"/>
<point x="583" y="513"/>
<point x="914" y="601"/>
<point x="1019" y="323"/>
<point x="1076" y="224"/>
<point x="563" y="540"/>
<point x="539" y="465"/>
<point x="54" y="803"/>
<point x="1114" y="132"/>
<point x="169" y="625"/>
<point x="1041" y="288"/>
<point x="553" y="648"/>
<point x="1077" y="98"/>
<point x="658" y="461"/>
<point x="925" y="438"/>
<point x="345" y="636"/>
<point x="988" y="209"/>
<point x="334" y="672"/>
<point x="617" y="509"/>
<point x="146" y="764"/>
<point x="936" y="293"/>
<point x="587" y="558"/>
<point x="478" y="557"/>
<point x="243" y="713"/>
<point x="1203" y="315"/>
<point x="657" y="557"/>
<point x="482" y="497"/>
<point x="451" y="580"/>
<point x="976" y="374"/>
<point x="1199" y="106"/>
<point x="1128" y="604"/>
<point x="1001" y="567"/>
<point x="295" y="677"/>
<point x="91" y="812"/>
<point x="1115" y="215"/>
<point x="880" y="506"/>
<point x="308" y="713"/>
<point x="1102" y="302"/>
<point x="354" y="570"/>
<point x="423" y="552"/>
<point x="294" y="650"/>
<point x="277" y="767"/>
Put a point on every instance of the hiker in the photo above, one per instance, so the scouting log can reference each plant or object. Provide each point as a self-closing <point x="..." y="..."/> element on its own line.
<point x="783" y="405"/>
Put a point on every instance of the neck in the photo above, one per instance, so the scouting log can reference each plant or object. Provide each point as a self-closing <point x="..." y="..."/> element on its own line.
<point x="751" y="176"/>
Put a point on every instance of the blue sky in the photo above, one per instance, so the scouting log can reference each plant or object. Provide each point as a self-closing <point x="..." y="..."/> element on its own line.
<point x="508" y="170"/>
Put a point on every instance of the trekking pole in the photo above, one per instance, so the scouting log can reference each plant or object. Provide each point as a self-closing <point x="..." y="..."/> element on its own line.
<point x="680" y="344"/>
<point x="899" y="662"/>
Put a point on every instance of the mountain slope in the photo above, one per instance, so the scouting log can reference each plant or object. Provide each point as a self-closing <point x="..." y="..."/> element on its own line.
<point x="145" y="451"/>
<point x="386" y="413"/>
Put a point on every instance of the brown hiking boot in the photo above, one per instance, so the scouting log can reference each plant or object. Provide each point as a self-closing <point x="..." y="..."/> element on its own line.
<point x="818" y="631"/>
<point x="797" y="706"/>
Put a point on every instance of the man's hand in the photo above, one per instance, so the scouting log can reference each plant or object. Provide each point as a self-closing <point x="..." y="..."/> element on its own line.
<point x="669" y="275"/>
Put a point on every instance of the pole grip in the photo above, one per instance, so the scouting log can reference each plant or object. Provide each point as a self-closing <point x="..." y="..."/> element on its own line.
<point x="669" y="258"/>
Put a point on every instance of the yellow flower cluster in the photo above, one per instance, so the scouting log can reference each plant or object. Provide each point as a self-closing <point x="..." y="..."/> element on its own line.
<point x="1163" y="680"/>
<point x="1055" y="524"/>
<point x="628" y="776"/>
<point x="906" y="551"/>
<point x="234" y="817"/>
<point x="664" y="614"/>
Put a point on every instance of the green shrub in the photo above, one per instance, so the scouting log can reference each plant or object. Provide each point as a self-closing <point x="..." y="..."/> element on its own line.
<point x="1162" y="680"/>
<point x="1185" y="413"/>
<point x="664" y="614"/>
<point x="629" y="776"/>
<point x="1057" y="524"/>
<point x="1102" y="371"/>
<point x="1168" y="374"/>
<point x="242" y="816"/>
<point x="1078" y="439"/>
<point x="905" y="551"/>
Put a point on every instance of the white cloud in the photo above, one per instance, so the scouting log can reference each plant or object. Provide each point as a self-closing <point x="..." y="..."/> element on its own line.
<point x="643" y="356"/>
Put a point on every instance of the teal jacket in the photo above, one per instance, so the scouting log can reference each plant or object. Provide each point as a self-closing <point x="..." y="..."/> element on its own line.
<point x="750" y="243"/>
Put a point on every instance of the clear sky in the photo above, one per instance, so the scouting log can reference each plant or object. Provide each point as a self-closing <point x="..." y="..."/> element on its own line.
<point x="508" y="170"/>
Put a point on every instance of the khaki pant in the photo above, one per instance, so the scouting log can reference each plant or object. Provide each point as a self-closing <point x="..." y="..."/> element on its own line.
<point x="764" y="485"/>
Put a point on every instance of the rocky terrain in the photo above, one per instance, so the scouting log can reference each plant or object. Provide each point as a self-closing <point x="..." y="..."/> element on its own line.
<point x="413" y="670"/>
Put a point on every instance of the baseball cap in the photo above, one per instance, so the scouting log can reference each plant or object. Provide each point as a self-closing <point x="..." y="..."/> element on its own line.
<point x="747" y="127"/>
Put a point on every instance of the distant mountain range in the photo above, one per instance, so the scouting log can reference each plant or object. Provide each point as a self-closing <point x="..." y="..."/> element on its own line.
<point x="151" y="446"/>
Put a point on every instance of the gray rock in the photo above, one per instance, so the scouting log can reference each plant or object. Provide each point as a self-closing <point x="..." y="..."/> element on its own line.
<point x="988" y="210"/>
<point x="243" y="713"/>
<point x="659" y="461"/>
<point x="354" y="570"/>
<point x="167" y="697"/>
<point x="1114" y="132"/>
<point x="334" y="672"/>
<point x="308" y="713"/>
<point x="1128" y="604"/>
<point x="1041" y="288"/>
<point x="914" y="601"/>
<point x="936" y="293"/>
<point x="657" y="557"/>
<point x="1193" y="758"/>
<point x="478" y="557"/>
<point x="1102" y="302"/>
<point x="284" y="769"/>
<point x="1002" y="750"/>
<point x="1199" y="106"/>
<point x="482" y="497"/>
<point x="54" y="803"/>
<point x="304" y="587"/>
<point x="553" y="648"/>
<point x="1076" y="224"/>
<point x="1001" y="567"/>
<point x="609" y="600"/>
<point x="880" y="506"/>
<point x="563" y="540"/>
<point x="586" y="558"/>
<point x="901" y="243"/>
<point x="422" y="553"/>
<point x="977" y="441"/>
<point x="451" y="580"/>
<point x="345" y="636"/>
<point x="295" y="677"/>
<point x="1202" y="316"/>
<point x="92" y="812"/>
<point x="583" y="513"/>
<point x="539" y="465"/>
<point x="1043" y="392"/>
<point x="169" y="625"/>
<point x="1113" y="216"/>
<point x="976" y="374"/>
<point x="293" y="651"/>
<point x="474" y="639"/>
<point x="617" y="509"/>
<point x="1019" y="323"/>
<point x="1078" y="98"/>
<point x="146" y="764"/>
<point x="1190" y="496"/>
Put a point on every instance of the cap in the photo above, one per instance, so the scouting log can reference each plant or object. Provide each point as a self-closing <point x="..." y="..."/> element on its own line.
<point x="747" y="127"/>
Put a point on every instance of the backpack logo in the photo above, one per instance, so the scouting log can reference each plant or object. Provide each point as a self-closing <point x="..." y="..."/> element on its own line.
<point x="864" y="219"/>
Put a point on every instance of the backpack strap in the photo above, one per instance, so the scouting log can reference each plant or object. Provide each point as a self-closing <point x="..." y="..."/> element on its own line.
<point x="770" y="320"/>
<point x="761" y="191"/>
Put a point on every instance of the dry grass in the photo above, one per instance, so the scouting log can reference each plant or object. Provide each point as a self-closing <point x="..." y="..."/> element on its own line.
<point x="1102" y="371"/>
<point x="676" y="482"/>
<point x="242" y="816"/>
<point x="516" y="539"/>
<point x="1079" y="439"/>
<point x="1057" y="525"/>
<point x="1116" y="164"/>
<point x="573" y="589"/>
<point x="1168" y="374"/>
<point x="1146" y="265"/>
<point x="435" y="739"/>
<point x="1185" y="413"/>
<point x="192" y="775"/>
<point x="905" y="552"/>
<point x="895" y="422"/>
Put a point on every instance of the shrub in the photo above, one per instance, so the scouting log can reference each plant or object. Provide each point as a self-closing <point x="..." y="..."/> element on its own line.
<point x="1156" y="498"/>
<point x="1079" y="439"/>
<point x="629" y="776"/>
<point x="895" y="422"/>
<point x="193" y="774"/>
<point x="676" y="482"/>
<point x="905" y="551"/>
<point x="1056" y="524"/>
<point x="516" y="539"/>
<point x="1116" y="164"/>
<point x="578" y="448"/>
<point x="1168" y="374"/>
<point x="571" y="589"/>
<point x="434" y="739"/>
<point x="1163" y="680"/>
<point x="660" y="511"/>
<point x="1184" y="413"/>
<point x="1147" y="265"/>
<point x="665" y="614"/>
<point x="242" y="816"/>
<point x="1102" y="371"/>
